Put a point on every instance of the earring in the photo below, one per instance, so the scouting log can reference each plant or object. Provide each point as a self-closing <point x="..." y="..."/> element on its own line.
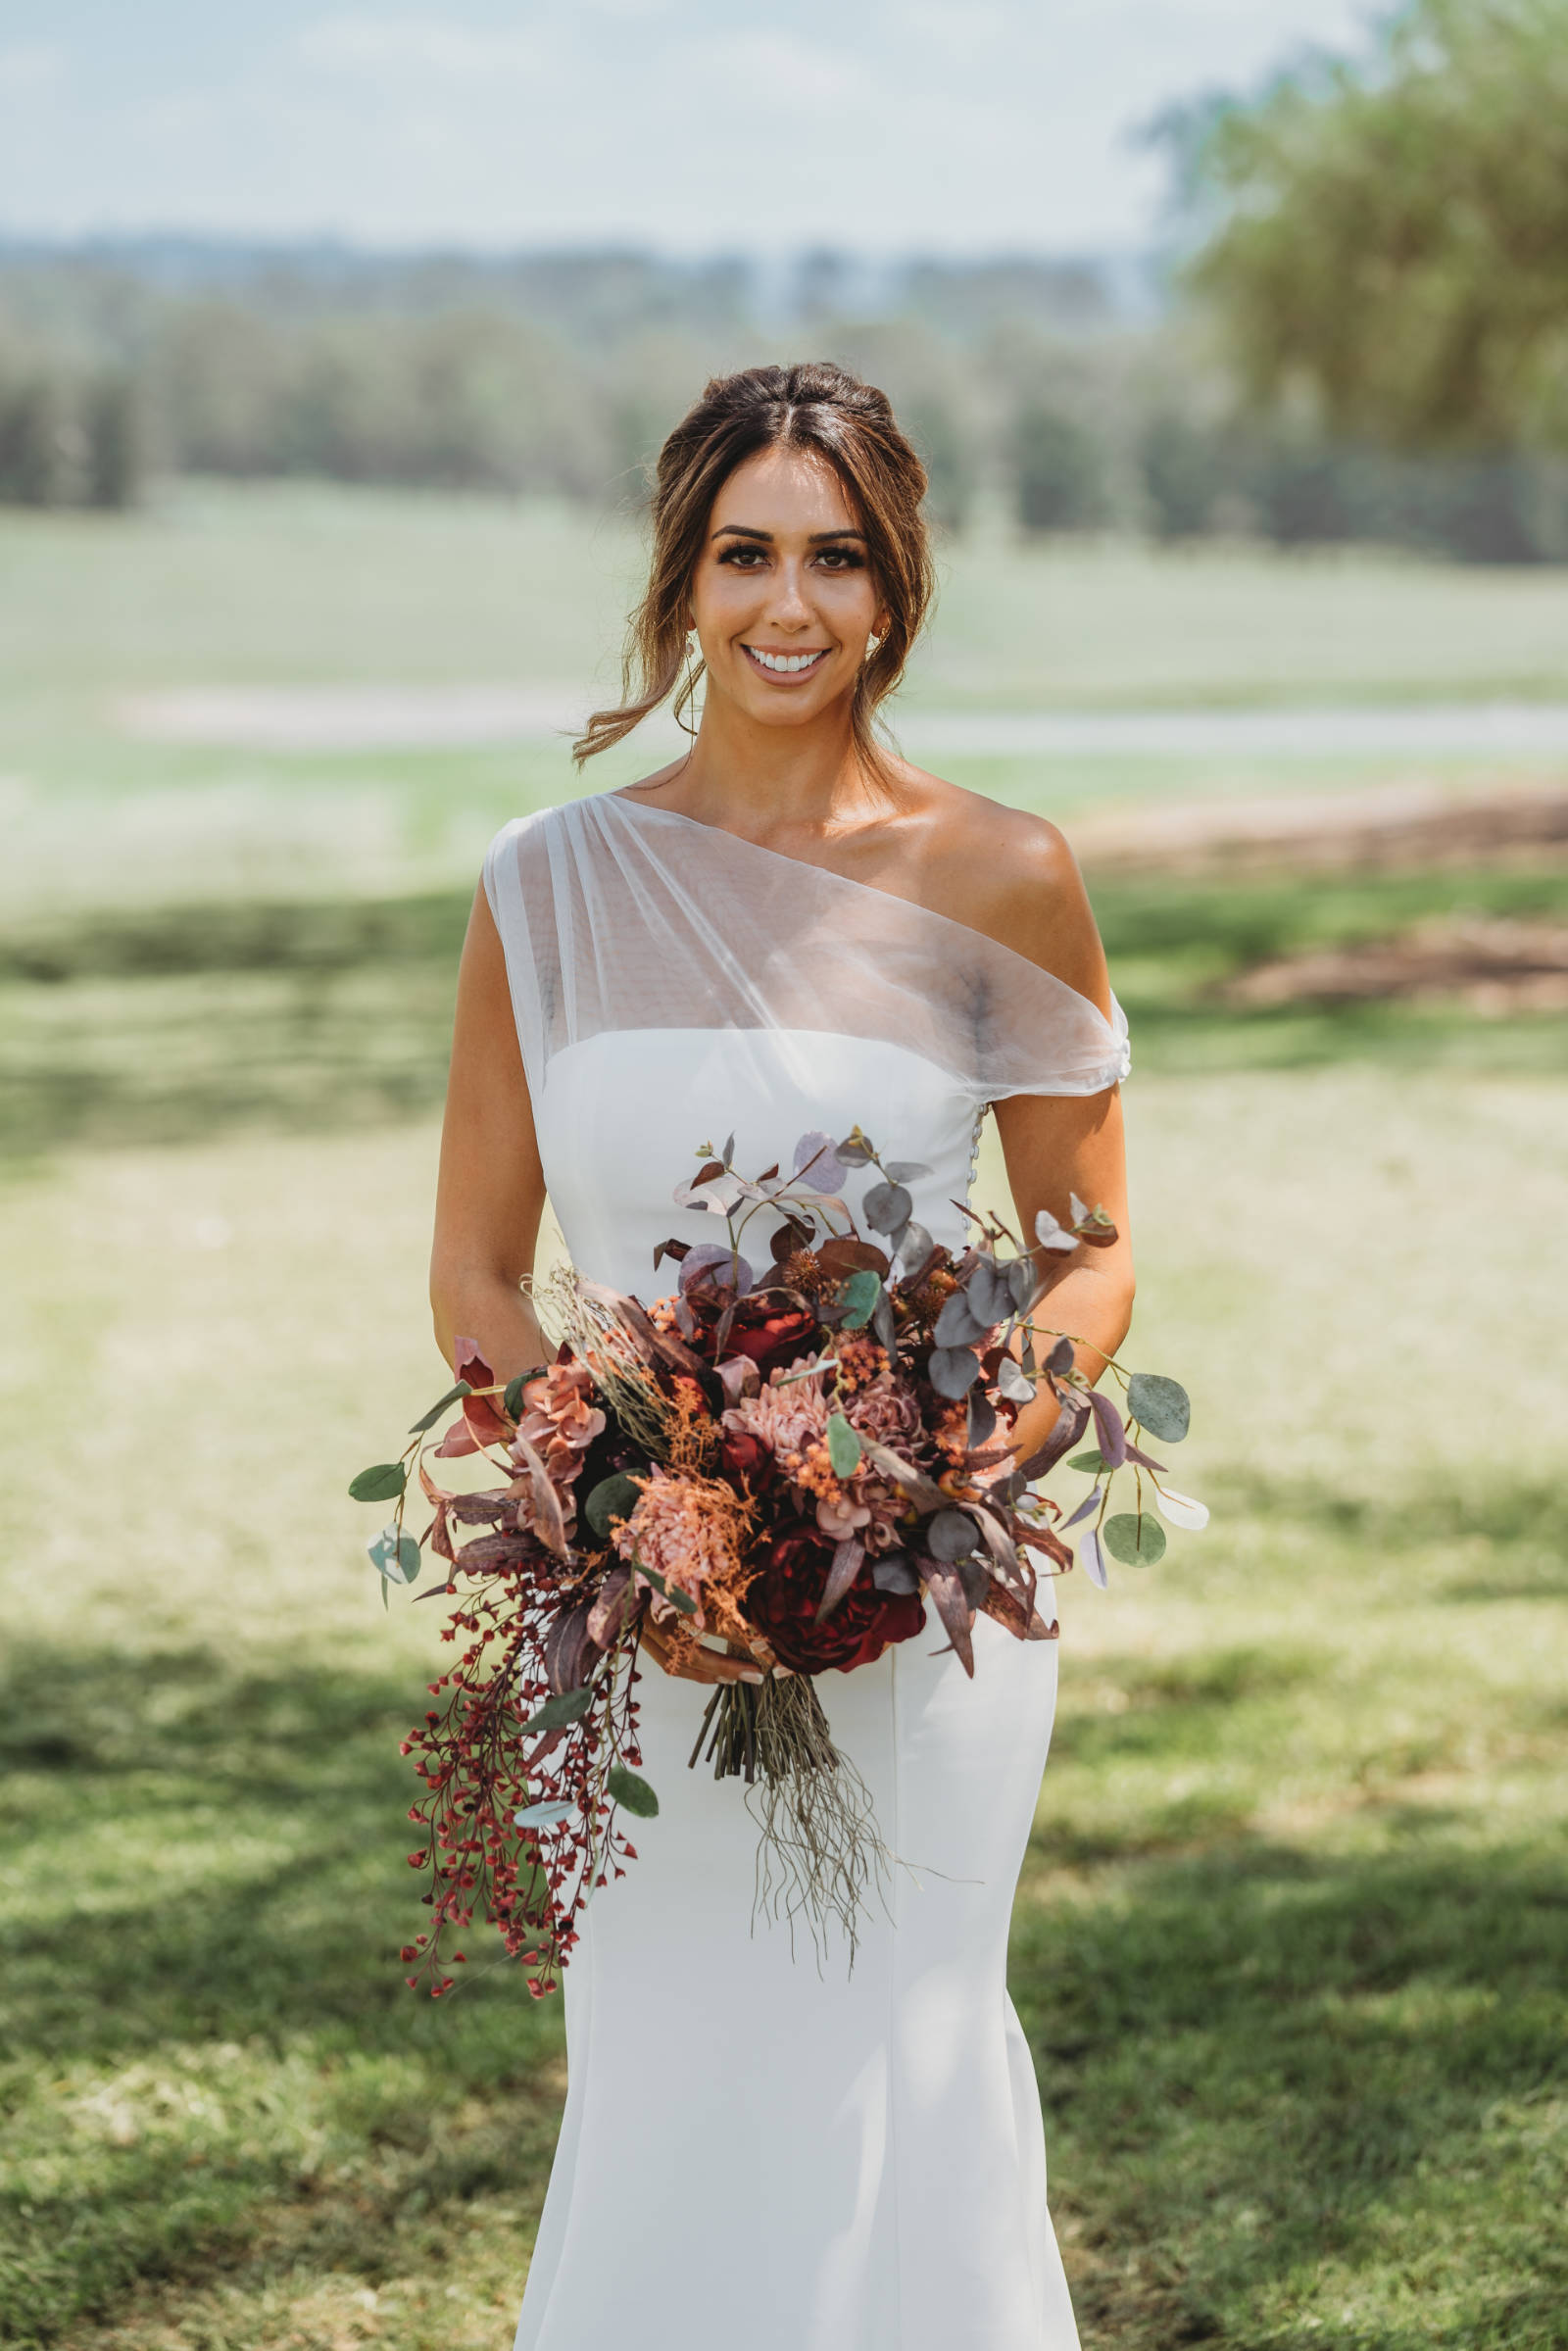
<point x="871" y="643"/>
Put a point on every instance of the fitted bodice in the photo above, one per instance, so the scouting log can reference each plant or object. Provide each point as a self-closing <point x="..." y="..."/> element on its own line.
<point x="673" y="982"/>
<point x="623" y="1115"/>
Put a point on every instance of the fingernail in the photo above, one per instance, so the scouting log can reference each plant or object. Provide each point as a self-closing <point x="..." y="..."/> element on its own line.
<point x="749" y="1675"/>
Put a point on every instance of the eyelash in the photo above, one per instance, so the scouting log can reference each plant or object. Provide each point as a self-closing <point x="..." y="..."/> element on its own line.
<point x="845" y="558"/>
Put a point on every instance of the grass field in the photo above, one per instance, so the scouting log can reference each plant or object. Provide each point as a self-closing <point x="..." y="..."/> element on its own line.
<point x="326" y="587"/>
<point x="1292" y="1943"/>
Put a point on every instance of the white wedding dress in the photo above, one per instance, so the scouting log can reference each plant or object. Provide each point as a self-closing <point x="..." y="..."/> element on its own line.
<point x="759" y="2147"/>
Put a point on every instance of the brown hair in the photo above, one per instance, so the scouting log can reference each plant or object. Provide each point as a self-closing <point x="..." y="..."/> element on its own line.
<point x="817" y="407"/>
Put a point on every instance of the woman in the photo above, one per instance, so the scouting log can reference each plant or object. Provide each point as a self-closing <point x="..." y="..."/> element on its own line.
<point x="788" y="928"/>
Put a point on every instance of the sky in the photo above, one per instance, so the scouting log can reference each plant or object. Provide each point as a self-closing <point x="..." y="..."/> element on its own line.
<point x="881" y="126"/>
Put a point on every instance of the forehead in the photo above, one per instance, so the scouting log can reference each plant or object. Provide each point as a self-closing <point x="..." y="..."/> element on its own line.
<point x="785" y="491"/>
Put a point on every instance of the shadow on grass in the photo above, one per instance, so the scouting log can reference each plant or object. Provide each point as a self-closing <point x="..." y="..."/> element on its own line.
<point x="1257" y="2058"/>
<point x="209" y="2060"/>
<point x="1258" y="2063"/>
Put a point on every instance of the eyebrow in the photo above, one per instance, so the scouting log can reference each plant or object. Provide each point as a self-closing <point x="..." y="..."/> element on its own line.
<point x="744" y="531"/>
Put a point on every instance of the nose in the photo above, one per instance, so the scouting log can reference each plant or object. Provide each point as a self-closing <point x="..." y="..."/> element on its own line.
<point x="789" y="605"/>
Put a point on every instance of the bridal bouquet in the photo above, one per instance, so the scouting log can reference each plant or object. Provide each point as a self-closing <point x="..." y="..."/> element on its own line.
<point x="788" y="1466"/>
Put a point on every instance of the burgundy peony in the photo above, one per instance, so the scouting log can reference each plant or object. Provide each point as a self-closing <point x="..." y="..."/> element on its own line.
<point x="783" y="1603"/>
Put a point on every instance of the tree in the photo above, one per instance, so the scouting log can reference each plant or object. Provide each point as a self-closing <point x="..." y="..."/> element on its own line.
<point x="1060" y="471"/>
<point x="1393" y="237"/>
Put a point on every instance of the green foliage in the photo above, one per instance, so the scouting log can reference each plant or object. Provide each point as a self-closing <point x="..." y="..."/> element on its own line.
<point x="1395" y="238"/>
<point x="843" y="1445"/>
<point x="1137" y="1541"/>
<point x="1059" y="466"/>
<point x="632" y="1792"/>
<point x="382" y="1484"/>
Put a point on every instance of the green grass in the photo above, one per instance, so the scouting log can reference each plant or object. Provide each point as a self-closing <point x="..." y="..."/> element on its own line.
<point x="1292" y="1941"/>
<point x="1291" y="1938"/>
<point x="299" y="586"/>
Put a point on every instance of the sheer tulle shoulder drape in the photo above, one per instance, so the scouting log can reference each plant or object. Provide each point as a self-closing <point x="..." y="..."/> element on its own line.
<point x="617" y="915"/>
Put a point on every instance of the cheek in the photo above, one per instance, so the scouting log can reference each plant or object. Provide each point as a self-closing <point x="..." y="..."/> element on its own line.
<point x="719" y="592"/>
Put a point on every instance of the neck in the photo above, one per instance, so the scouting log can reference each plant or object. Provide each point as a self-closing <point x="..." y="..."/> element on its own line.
<point x="766" y="781"/>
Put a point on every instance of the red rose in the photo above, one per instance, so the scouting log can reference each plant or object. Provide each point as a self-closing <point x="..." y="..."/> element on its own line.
<point x="771" y="1333"/>
<point x="783" y="1602"/>
<point x="743" y="1456"/>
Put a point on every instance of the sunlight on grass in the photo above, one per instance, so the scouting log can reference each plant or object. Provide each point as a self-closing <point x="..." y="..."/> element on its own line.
<point x="1292" y="1937"/>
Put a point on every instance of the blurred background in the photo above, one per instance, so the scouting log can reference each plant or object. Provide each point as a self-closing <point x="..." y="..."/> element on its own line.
<point x="334" y="347"/>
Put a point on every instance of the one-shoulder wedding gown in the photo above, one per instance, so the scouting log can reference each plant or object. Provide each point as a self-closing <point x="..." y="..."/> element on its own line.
<point x="757" y="2147"/>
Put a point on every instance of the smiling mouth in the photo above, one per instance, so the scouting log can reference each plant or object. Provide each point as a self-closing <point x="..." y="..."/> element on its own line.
<point x="786" y="665"/>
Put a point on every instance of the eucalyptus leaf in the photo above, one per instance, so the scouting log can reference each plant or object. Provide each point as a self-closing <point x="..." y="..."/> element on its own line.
<point x="1092" y="1551"/>
<point x="816" y="1162"/>
<point x="382" y="1484"/>
<point x="1135" y="1541"/>
<point x="1086" y="1508"/>
<point x="954" y="1370"/>
<point x="668" y="1592"/>
<point x="543" y="1816"/>
<point x="428" y="1420"/>
<point x="981" y="1421"/>
<point x="396" y="1556"/>
<point x="887" y="1207"/>
<point x="957" y="1324"/>
<point x="612" y="1497"/>
<point x="894" y="1571"/>
<point x="555" y="1713"/>
<point x="1161" y="1406"/>
<point x="1022" y="1283"/>
<point x="950" y="1535"/>
<point x="914" y="1246"/>
<point x="907" y="1171"/>
<point x="883" y="1322"/>
<point x="632" y="1792"/>
<point x="990" y="1298"/>
<point x="1180" y="1510"/>
<point x="1052" y="1235"/>
<point x="1013" y="1382"/>
<point x="1091" y="1461"/>
<point x="843" y="1445"/>
<point x="858" y="1298"/>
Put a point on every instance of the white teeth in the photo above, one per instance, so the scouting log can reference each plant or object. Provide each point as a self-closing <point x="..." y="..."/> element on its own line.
<point x="786" y="663"/>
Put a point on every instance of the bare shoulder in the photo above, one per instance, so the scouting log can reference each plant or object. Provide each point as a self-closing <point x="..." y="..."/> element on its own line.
<point x="1011" y="874"/>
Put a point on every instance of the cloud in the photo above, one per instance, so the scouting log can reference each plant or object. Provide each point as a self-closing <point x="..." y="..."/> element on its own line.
<point x="416" y="45"/>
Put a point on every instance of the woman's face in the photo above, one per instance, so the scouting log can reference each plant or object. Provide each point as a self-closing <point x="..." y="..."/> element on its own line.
<point x="783" y="595"/>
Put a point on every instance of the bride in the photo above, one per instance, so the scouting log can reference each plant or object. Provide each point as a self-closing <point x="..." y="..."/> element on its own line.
<point x="790" y="928"/>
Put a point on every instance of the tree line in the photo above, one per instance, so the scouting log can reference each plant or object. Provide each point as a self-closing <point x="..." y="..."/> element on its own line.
<point x="1367" y="340"/>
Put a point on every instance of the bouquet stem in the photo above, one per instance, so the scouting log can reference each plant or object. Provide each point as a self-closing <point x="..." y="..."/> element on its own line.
<point x="820" y="1851"/>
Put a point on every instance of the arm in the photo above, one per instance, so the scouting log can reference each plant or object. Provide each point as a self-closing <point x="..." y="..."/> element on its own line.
<point x="1055" y="1143"/>
<point x="490" y="1194"/>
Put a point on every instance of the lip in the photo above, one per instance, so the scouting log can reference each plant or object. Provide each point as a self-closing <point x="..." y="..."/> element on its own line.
<point x="785" y="678"/>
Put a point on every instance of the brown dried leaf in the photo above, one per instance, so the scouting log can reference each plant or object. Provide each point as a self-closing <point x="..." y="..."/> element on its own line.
<point x="845" y="1254"/>
<point x="948" y="1595"/>
<point x="610" y="1613"/>
<point x="548" y="1523"/>
<point x="846" y="1561"/>
<point x="923" y="1491"/>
